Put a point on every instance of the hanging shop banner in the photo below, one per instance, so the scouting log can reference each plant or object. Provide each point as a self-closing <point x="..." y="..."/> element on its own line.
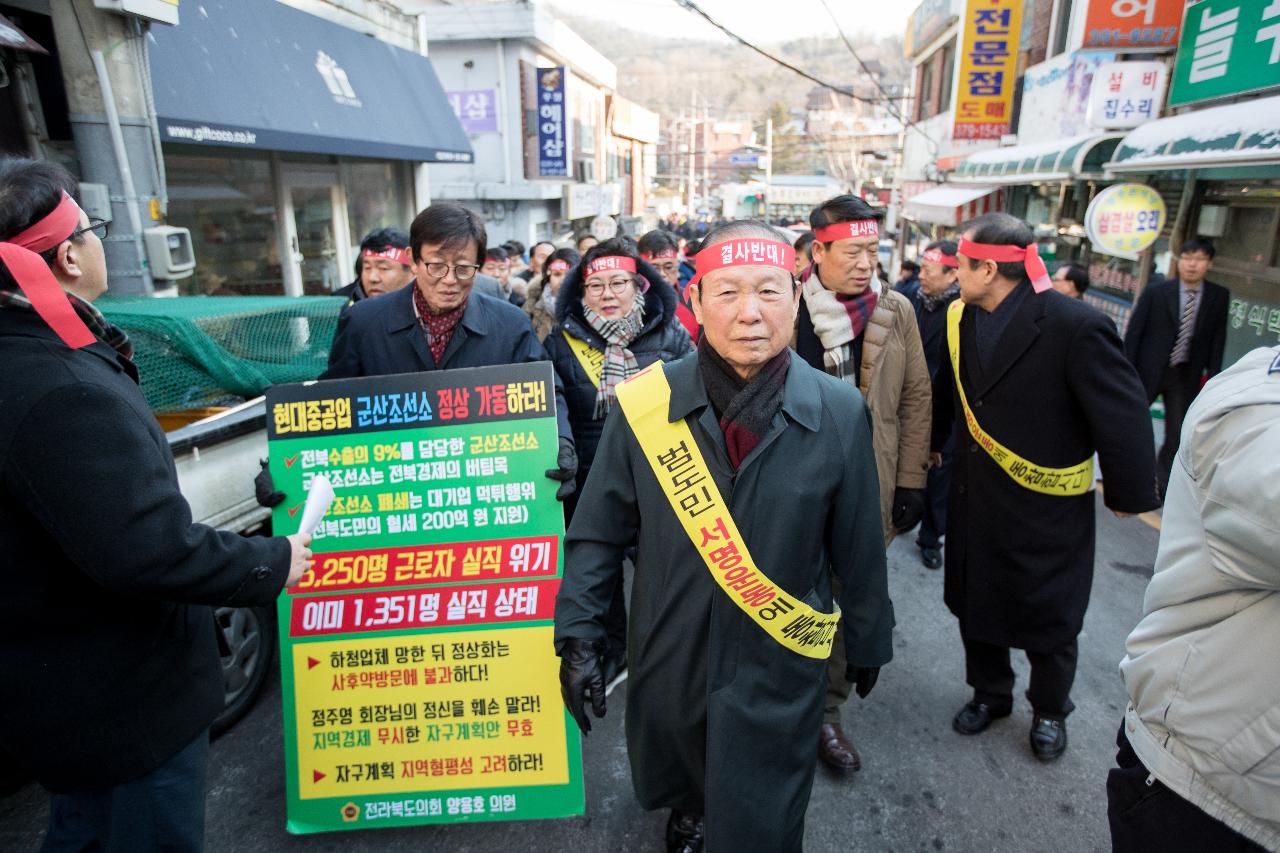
<point x="1126" y="94"/>
<point x="419" y="678"/>
<point x="1228" y="47"/>
<point x="553" y="141"/>
<point x="1131" y="25"/>
<point x="1124" y="219"/>
<point x="988" y="68"/>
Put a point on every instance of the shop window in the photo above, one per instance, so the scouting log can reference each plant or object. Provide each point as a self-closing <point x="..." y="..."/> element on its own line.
<point x="947" y="72"/>
<point x="228" y="203"/>
<point x="378" y="196"/>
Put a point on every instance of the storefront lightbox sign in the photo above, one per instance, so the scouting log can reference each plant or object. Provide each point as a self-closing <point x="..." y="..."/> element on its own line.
<point x="1055" y="95"/>
<point x="553" y="134"/>
<point x="988" y="68"/>
<point x="476" y="109"/>
<point x="1126" y="94"/>
<point x="1124" y="219"/>
<point x="1228" y="47"/>
<point x="1133" y="24"/>
<point x="420" y="684"/>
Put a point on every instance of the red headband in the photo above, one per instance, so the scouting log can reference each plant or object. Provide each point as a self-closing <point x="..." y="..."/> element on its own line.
<point x="938" y="257"/>
<point x="744" y="253"/>
<point x="663" y="253"/>
<point x="20" y="254"/>
<point x="604" y="263"/>
<point x="559" y="265"/>
<point x="1029" y="257"/>
<point x="846" y="230"/>
<point x="390" y="253"/>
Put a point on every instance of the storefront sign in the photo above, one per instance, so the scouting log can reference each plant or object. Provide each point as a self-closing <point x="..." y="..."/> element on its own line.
<point x="988" y="68"/>
<point x="553" y="140"/>
<point x="1133" y="24"/>
<point x="1251" y="324"/>
<point x="419" y="678"/>
<point x="1124" y="219"/>
<point x="1227" y="47"/>
<point x="476" y="109"/>
<point x="1055" y="96"/>
<point x="1126" y="94"/>
<point x="929" y="19"/>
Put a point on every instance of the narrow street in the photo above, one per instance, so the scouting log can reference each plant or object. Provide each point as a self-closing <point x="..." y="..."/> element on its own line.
<point x="922" y="787"/>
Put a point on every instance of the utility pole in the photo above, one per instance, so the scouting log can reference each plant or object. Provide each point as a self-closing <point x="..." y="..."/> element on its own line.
<point x="693" y="148"/>
<point x="706" y="158"/>
<point x="674" y="164"/>
<point x="768" y="164"/>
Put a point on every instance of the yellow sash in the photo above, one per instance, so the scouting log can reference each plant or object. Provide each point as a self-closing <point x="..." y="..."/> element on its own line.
<point x="591" y="359"/>
<point x="682" y="472"/>
<point x="1075" y="480"/>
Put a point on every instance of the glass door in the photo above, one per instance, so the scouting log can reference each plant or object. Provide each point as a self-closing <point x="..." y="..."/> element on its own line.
<point x="316" y="231"/>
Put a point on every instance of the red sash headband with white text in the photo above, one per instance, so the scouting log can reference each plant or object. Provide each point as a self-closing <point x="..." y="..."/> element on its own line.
<point x="847" y="230"/>
<point x="559" y="265"/>
<point x="661" y="253"/>
<point x="1028" y="256"/>
<point x="744" y="253"/>
<point x="390" y="253"/>
<point x="605" y="263"/>
<point x="20" y="254"/>
<point x="937" y="256"/>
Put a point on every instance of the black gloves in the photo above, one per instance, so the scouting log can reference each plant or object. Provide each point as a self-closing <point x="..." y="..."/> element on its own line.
<point x="566" y="471"/>
<point x="582" y="674"/>
<point x="264" y="488"/>
<point x="908" y="508"/>
<point x="863" y="678"/>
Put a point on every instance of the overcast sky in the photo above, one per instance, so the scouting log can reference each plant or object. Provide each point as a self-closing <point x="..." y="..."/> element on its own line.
<point x="756" y="20"/>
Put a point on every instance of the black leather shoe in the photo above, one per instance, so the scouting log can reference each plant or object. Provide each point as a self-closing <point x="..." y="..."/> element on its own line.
<point x="975" y="717"/>
<point x="836" y="751"/>
<point x="684" y="833"/>
<point x="931" y="557"/>
<point x="1048" y="738"/>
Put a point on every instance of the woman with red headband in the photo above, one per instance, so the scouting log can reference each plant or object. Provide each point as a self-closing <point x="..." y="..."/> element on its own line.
<point x="616" y="315"/>
<point x="543" y="290"/>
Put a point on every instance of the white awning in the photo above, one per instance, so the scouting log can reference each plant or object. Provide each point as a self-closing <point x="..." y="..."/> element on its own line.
<point x="950" y="204"/>
<point x="1243" y="134"/>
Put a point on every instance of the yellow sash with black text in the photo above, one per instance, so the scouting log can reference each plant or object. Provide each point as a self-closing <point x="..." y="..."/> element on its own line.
<point x="1075" y="480"/>
<point x="591" y="359"/>
<point x="696" y="500"/>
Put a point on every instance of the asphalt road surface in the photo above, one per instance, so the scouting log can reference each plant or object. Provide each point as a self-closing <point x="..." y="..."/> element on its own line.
<point x="922" y="787"/>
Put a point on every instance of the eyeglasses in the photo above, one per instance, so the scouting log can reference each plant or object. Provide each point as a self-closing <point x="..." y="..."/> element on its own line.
<point x="617" y="287"/>
<point x="463" y="272"/>
<point x="97" y="226"/>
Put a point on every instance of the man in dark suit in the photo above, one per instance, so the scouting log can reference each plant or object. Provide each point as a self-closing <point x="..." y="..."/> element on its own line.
<point x="438" y="323"/>
<point x="1175" y="340"/>
<point x="938" y="289"/>
<point x="1034" y="384"/>
<point x="108" y="645"/>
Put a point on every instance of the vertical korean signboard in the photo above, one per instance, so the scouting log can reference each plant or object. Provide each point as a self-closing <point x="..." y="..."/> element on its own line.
<point x="553" y="139"/>
<point x="1228" y="47"/>
<point x="419" y="678"/>
<point x="988" y="69"/>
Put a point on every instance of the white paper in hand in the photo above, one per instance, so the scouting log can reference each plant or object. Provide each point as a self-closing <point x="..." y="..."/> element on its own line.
<point x="318" y="500"/>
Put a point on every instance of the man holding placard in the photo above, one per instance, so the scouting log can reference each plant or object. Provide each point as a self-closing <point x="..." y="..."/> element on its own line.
<point x="757" y="482"/>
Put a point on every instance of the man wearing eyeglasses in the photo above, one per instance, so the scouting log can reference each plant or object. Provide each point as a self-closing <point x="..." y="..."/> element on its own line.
<point x="440" y="324"/>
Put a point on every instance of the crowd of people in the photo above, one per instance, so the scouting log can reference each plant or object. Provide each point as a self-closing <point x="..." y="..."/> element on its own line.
<point x="747" y="421"/>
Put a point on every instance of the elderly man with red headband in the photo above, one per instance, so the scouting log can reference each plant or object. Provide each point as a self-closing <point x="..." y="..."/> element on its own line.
<point x="748" y="480"/>
<point x="1034" y="384"/>
<point x="865" y="335"/>
<point x="108" y="646"/>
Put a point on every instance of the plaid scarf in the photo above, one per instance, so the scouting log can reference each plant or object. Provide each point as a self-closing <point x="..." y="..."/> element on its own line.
<point x="933" y="303"/>
<point x="438" y="328"/>
<point x="102" y="328"/>
<point x="838" y="320"/>
<point x="745" y="408"/>
<point x="619" y="362"/>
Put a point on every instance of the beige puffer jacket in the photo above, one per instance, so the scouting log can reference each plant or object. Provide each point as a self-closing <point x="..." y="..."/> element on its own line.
<point x="1203" y="665"/>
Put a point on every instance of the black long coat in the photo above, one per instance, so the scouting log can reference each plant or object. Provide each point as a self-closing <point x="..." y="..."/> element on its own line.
<point x="382" y="336"/>
<point x="662" y="338"/>
<point x="1153" y="330"/>
<point x="1019" y="564"/>
<point x="108" y="656"/>
<point x="721" y="718"/>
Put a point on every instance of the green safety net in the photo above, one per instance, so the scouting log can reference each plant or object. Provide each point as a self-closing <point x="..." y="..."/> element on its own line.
<point x="198" y="351"/>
